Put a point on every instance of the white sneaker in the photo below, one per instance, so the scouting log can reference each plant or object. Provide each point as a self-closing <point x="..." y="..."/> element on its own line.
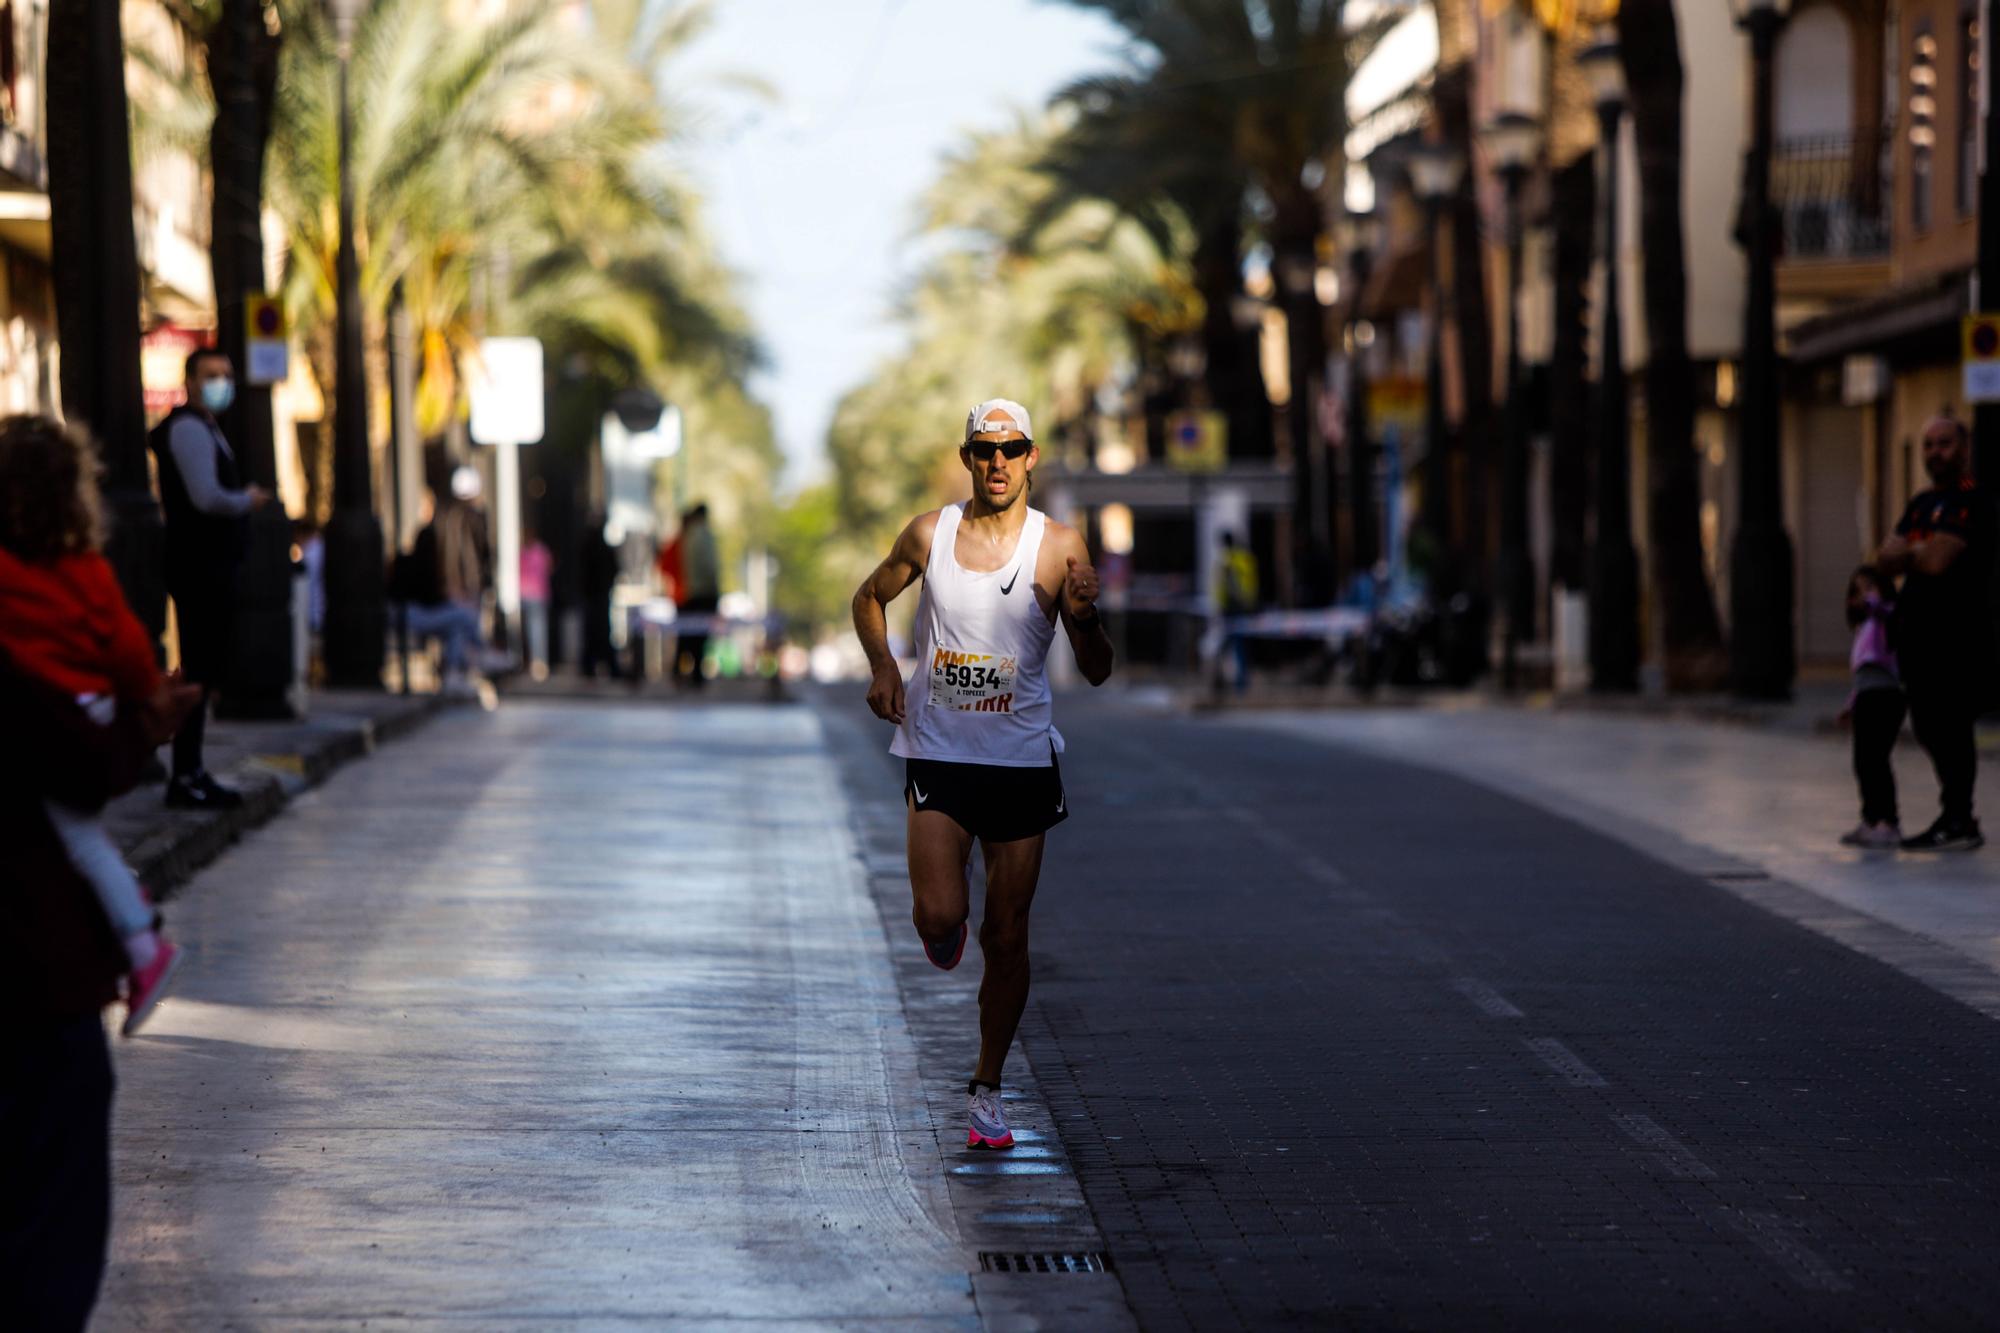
<point x="989" y="1122"/>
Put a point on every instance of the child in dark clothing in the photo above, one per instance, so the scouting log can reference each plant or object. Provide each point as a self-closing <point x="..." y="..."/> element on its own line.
<point x="1875" y="707"/>
<point x="64" y="621"/>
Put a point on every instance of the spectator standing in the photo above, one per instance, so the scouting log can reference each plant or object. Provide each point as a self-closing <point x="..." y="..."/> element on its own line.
<point x="1237" y="594"/>
<point x="700" y="593"/>
<point x="1875" y="709"/>
<point x="55" y="1070"/>
<point x="1943" y="551"/>
<point x="537" y="565"/>
<point x="207" y="506"/>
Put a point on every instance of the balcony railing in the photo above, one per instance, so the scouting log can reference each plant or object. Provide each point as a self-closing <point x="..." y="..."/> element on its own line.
<point x="1832" y="194"/>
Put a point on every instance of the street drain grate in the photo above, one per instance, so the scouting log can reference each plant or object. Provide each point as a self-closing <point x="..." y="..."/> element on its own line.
<point x="1005" y="1261"/>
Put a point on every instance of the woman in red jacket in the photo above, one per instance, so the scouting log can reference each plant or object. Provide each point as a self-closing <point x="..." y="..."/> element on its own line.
<point x="64" y="623"/>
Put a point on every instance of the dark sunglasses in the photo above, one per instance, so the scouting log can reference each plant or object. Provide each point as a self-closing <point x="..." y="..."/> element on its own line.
<point x="983" y="449"/>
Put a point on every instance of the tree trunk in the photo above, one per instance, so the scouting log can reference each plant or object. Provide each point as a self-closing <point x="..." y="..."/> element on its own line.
<point x="1294" y="234"/>
<point x="1575" y="213"/>
<point x="1234" y="377"/>
<point x="243" y="75"/>
<point x="1472" y="547"/>
<point x="1691" y="633"/>
<point x="94" y="255"/>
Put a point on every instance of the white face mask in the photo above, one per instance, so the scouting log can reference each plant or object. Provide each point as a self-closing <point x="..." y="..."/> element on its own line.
<point x="217" y="395"/>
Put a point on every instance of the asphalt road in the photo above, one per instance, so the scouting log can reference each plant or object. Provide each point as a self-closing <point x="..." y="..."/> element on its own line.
<point x="1333" y="1040"/>
<point x="610" y="1015"/>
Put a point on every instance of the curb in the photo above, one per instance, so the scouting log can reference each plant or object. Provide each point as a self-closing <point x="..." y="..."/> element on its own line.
<point x="173" y="848"/>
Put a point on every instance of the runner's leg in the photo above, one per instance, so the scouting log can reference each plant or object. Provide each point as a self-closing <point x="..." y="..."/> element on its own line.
<point x="1012" y="871"/>
<point x="938" y="851"/>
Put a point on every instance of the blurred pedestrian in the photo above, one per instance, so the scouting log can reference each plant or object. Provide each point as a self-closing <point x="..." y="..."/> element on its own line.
<point x="598" y="563"/>
<point x="1875" y="708"/>
<point x="418" y="584"/>
<point x="700" y="594"/>
<point x="55" y="1071"/>
<point x="537" y="565"/>
<point x="1236" y="593"/>
<point x="465" y="541"/>
<point x="207" y="505"/>
<point x="1943" y="551"/>
<point x="64" y="622"/>
<point x="977" y="731"/>
<point x="311" y="543"/>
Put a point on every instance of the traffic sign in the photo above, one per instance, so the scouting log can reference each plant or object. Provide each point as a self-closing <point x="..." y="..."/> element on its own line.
<point x="1197" y="441"/>
<point x="1982" y="358"/>
<point x="266" y="349"/>
<point x="506" y="390"/>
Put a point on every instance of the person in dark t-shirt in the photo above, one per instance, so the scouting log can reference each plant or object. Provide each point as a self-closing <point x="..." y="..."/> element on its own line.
<point x="1943" y="550"/>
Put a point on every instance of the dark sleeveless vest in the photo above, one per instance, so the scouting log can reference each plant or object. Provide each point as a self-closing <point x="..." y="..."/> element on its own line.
<point x="203" y="550"/>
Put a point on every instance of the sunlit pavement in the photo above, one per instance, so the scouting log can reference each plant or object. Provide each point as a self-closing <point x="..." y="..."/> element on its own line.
<point x="560" y="1015"/>
<point x="582" y="1014"/>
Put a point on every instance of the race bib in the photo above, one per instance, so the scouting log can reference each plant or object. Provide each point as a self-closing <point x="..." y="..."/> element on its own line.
<point x="972" y="682"/>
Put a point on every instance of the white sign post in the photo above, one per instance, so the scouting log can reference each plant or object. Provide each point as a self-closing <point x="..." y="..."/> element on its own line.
<point x="506" y="389"/>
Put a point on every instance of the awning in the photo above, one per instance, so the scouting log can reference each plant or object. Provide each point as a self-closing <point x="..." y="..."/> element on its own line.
<point x="1923" y="308"/>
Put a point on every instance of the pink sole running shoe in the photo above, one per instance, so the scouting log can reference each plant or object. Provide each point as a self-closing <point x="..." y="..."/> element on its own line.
<point x="145" y="986"/>
<point x="989" y="1123"/>
<point x="958" y="951"/>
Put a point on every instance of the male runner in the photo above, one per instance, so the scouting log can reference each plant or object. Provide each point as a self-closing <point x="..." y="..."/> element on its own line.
<point x="974" y="724"/>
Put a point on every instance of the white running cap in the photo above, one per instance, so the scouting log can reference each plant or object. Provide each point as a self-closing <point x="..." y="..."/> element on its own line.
<point x="995" y="415"/>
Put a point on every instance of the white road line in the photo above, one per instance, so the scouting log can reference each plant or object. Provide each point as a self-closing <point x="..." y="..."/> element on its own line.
<point x="1669" y="1151"/>
<point x="1778" y="1239"/>
<point x="1485" y="999"/>
<point x="1565" y="1062"/>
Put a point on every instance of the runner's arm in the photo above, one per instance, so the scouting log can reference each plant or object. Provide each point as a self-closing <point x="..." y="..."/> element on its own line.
<point x="1078" y="607"/>
<point x="871" y="619"/>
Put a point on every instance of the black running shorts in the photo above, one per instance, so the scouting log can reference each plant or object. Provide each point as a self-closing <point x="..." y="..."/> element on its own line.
<point x="990" y="802"/>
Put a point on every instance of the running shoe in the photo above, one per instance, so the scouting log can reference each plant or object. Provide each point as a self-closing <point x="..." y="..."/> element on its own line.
<point x="145" y="986"/>
<point x="989" y="1122"/>
<point x="1947" y="836"/>
<point x="938" y="957"/>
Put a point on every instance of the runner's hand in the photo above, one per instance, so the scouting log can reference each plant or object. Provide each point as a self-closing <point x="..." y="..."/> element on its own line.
<point x="885" y="695"/>
<point x="1080" y="588"/>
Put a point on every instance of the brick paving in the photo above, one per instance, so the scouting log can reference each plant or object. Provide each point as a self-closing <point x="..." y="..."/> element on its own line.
<point x="1329" y="1040"/>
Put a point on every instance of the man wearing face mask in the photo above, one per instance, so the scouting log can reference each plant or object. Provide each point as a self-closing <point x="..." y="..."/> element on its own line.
<point x="206" y="505"/>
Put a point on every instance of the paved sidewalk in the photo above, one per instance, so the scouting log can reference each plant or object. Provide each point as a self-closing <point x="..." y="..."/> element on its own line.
<point x="1756" y="811"/>
<point x="271" y="763"/>
<point x="560" y="1015"/>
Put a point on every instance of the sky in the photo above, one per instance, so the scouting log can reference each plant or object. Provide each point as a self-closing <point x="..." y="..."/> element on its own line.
<point x="812" y="193"/>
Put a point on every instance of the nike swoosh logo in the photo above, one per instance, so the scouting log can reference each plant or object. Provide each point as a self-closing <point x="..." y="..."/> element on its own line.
<point x="1008" y="586"/>
<point x="1059" y="803"/>
<point x="921" y="797"/>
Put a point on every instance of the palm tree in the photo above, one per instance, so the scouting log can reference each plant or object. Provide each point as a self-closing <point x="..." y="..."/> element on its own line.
<point x="1267" y="83"/>
<point x="1158" y="153"/>
<point x="1649" y="42"/>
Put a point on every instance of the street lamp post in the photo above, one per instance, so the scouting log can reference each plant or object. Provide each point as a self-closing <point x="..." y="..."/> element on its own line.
<point x="1760" y="559"/>
<point x="1434" y="173"/>
<point x="355" y="614"/>
<point x="1614" y="563"/>
<point x="1512" y="139"/>
<point x="1360" y="237"/>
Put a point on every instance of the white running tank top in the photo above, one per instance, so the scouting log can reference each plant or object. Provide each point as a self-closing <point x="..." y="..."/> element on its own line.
<point x="980" y="693"/>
